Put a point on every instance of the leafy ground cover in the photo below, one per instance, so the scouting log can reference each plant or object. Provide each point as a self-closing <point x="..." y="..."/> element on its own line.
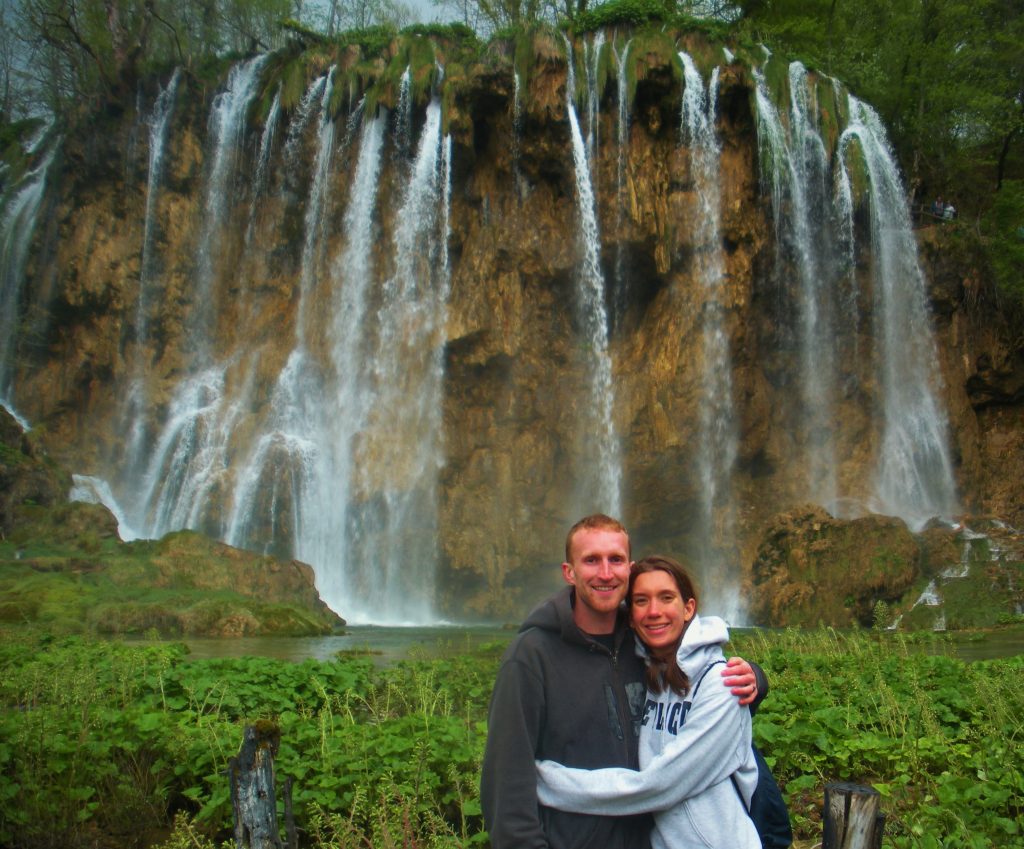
<point x="109" y="744"/>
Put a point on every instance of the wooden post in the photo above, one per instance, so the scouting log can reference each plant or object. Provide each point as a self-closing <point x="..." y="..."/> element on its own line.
<point x="852" y="817"/>
<point x="252" y="788"/>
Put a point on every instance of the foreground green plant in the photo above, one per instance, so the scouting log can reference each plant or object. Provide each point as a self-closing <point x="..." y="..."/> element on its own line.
<point x="104" y="743"/>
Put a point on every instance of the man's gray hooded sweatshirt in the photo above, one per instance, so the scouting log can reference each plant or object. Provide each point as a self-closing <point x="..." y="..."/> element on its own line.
<point x="691" y="749"/>
<point x="563" y="696"/>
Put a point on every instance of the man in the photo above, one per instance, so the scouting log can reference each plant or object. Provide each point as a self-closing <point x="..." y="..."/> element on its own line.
<point x="570" y="689"/>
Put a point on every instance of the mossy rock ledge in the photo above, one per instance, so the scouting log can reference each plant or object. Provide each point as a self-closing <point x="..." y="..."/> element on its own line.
<point x="63" y="567"/>
<point x="811" y="568"/>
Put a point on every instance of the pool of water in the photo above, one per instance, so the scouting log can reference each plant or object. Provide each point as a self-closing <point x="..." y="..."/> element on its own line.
<point x="384" y="644"/>
<point x="390" y="644"/>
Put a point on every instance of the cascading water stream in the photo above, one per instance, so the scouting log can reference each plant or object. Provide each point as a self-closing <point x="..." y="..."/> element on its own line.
<point x="914" y="477"/>
<point x="591" y="66"/>
<point x="227" y="129"/>
<point x="190" y="456"/>
<point x="604" y="491"/>
<point x="20" y="211"/>
<point x="136" y="400"/>
<point x="279" y="488"/>
<point x="262" y="176"/>
<point x="808" y="237"/>
<point x="620" y="286"/>
<point x="718" y="429"/>
<point x="394" y="553"/>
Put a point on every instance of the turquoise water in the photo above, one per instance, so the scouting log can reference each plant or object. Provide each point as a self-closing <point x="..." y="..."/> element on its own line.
<point x="389" y="644"/>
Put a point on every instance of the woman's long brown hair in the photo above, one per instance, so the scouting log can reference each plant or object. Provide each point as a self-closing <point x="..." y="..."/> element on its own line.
<point x="662" y="669"/>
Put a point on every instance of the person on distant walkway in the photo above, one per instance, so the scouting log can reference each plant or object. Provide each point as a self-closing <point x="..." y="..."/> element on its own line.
<point x="949" y="213"/>
<point x="571" y="689"/>
<point x="938" y="207"/>
<point x="697" y="768"/>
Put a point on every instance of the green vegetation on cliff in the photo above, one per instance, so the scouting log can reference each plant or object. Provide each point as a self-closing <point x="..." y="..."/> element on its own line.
<point x="105" y="744"/>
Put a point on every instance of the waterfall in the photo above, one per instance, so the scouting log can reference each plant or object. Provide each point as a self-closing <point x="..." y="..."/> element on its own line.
<point x="280" y="481"/>
<point x="136" y="399"/>
<point x="262" y="175"/>
<point x="394" y="547"/>
<point x="620" y="285"/>
<point x="93" y="490"/>
<point x="20" y="211"/>
<point x="310" y="102"/>
<point x="403" y="116"/>
<point x="718" y="437"/>
<point x="190" y="458"/>
<point x="591" y="66"/>
<point x="914" y="477"/>
<point x="227" y="129"/>
<point x="517" y="129"/>
<point x="809" y="239"/>
<point x="604" y="490"/>
<point x="159" y="121"/>
<point x="330" y="541"/>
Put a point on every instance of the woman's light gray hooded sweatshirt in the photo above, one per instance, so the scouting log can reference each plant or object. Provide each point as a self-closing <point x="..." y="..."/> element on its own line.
<point x="688" y="756"/>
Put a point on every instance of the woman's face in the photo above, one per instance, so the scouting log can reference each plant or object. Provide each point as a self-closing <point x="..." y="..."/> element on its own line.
<point x="658" y="611"/>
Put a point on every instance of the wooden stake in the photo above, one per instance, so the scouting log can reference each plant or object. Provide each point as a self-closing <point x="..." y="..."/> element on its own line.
<point x="252" y="788"/>
<point x="852" y="817"/>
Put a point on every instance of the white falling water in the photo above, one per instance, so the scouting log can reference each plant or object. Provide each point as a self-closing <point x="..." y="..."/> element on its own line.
<point x="262" y="174"/>
<point x="135" y="399"/>
<point x="279" y="488"/>
<point x="330" y="544"/>
<point x="718" y="436"/>
<point x="591" y="65"/>
<point x="808" y="237"/>
<point x="93" y="490"/>
<point x="604" y="491"/>
<point x="620" y="284"/>
<point x="304" y="112"/>
<point x="403" y="115"/>
<point x="20" y="211"/>
<point x="190" y="458"/>
<point x="914" y="477"/>
<point x="227" y="129"/>
<point x="159" y="122"/>
<point x="170" y="487"/>
<point x="391" y="575"/>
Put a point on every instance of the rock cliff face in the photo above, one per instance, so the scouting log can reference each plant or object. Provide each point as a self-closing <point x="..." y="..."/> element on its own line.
<point x="432" y="434"/>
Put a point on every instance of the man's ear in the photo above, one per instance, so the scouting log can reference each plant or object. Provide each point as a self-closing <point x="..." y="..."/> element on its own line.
<point x="569" y="573"/>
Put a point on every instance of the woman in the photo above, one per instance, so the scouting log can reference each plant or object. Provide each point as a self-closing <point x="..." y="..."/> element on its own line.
<point x="697" y="767"/>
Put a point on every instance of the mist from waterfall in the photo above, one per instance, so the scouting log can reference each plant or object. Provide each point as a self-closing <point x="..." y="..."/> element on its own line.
<point x="718" y="438"/>
<point x="604" y="491"/>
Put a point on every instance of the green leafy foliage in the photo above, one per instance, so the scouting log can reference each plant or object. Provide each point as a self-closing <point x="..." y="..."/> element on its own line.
<point x="106" y="737"/>
<point x="1003" y="228"/>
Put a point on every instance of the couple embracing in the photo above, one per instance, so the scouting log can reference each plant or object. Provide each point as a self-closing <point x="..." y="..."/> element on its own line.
<point x="603" y="715"/>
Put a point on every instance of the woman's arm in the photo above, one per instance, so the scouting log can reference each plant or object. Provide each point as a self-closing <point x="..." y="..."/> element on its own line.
<point x="711" y="745"/>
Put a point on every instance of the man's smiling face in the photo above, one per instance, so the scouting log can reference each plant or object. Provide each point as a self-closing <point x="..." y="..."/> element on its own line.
<point x="599" y="570"/>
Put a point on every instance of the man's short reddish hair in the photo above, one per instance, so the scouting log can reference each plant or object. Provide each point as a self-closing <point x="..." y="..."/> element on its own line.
<point x="594" y="522"/>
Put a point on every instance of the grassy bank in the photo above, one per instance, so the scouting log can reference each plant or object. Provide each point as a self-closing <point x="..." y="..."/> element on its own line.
<point x="105" y="744"/>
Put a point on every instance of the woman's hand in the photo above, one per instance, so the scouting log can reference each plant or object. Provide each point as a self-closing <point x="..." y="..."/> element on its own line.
<point x="740" y="679"/>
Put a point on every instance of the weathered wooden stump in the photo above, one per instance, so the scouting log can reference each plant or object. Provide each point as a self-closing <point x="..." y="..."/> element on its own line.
<point x="252" y="788"/>
<point x="852" y="817"/>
